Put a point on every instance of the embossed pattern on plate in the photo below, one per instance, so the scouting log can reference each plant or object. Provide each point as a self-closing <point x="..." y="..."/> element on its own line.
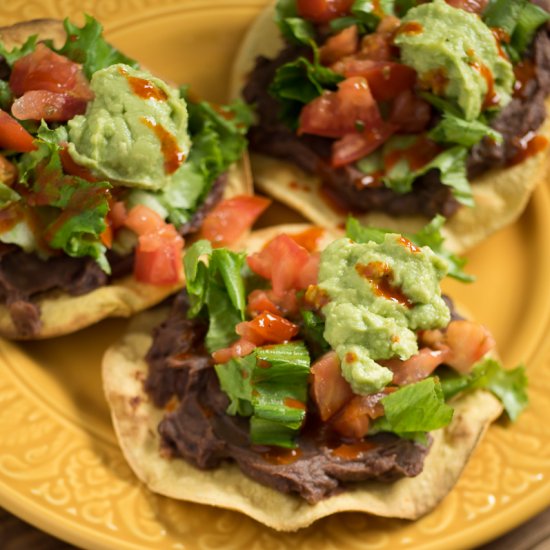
<point x="60" y="467"/>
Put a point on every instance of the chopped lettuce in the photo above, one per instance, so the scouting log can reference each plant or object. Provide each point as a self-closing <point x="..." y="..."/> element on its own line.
<point x="299" y="82"/>
<point x="217" y="287"/>
<point x="415" y="408"/>
<point x="430" y="235"/>
<point x="508" y="385"/>
<point x="503" y="14"/>
<point x="451" y="164"/>
<point x="87" y="46"/>
<point x="11" y="56"/>
<point x="73" y="209"/>
<point x="6" y="96"/>
<point x="453" y="129"/>
<point x="270" y="385"/>
<point x="313" y="331"/>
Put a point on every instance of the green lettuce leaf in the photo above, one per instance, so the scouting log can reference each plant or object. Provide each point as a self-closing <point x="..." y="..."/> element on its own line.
<point x="6" y="97"/>
<point x="11" y="56"/>
<point x="456" y="130"/>
<point x="508" y="385"/>
<point x="430" y="235"/>
<point x="72" y="208"/>
<point x="86" y="45"/>
<point x="530" y="19"/>
<point x="299" y="82"/>
<point x="216" y="288"/>
<point x="503" y="14"/>
<point x="416" y="408"/>
<point x="313" y="332"/>
<point x="451" y="164"/>
<point x="269" y="385"/>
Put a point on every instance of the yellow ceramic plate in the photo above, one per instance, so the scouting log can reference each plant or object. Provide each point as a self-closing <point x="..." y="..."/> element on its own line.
<point x="60" y="467"/>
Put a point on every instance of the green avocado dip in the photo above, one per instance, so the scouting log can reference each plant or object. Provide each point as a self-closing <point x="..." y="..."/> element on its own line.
<point x="134" y="132"/>
<point x="379" y="295"/>
<point x="456" y="56"/>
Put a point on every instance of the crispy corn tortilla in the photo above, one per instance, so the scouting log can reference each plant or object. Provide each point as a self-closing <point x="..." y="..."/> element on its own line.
<point x="60" y="312"/>
<point x="136" y="420"/>
<point x="500" y="195"/>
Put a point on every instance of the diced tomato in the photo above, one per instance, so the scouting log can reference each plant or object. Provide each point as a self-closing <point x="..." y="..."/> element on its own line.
<point x="340" y="45"/>
<point x="353" y="147"/>
<point x="473" y="6"/>
<point x="231" y="218"/>
<point x="106" y="236"/>
<point x="323" y="11"/>
<point x="418" y="366"/>
<point x="469" y="342"/>
<point x="267" y="328"/>
<point x="240" y="348"/>
<point x="348" y="110"/>
<point x="309" y="274"/>
<point x="354" y="419"/>
<point x="50" y="106"/>
<point x="46" y="70"/>
<point x="281" y="262"/>
<point x="388" y="24"/>
<point x="118" y="215"/>
<point x="142" y="220"/>
<point x="411" y="113"/>
<point x="8" y="171"/>
<point x="377" y="46"/>
<point x="259" y="301"/>
<point x="158" y="257"/>
<point x="310" y="239"/>
<point x="158" y="253"/>
<point x="72" y="168"/>
<point x="13" y="136"/>
<point x="387" y="80"/>
<point x="328" y="388"/>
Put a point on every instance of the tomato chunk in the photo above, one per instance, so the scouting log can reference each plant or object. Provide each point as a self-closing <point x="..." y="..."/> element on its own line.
<point x="260" y="301"/>
<point x="353" y="147"/>
<point x="469" y="342"/>
<point x="281" y="262"/>
<point x="13" y="136"/>
<point x="328" y="387"/>
<point x="354" y="419"/>
<point x="386" y="79"/>
<point x="323" y="11"/>
<point x="159" y="249"/>
<point x="50" y="106"/>
<point x="349" y="110"/>
<point x="343" y="44"/>
<point x="411" y="113"/>
<point x="240" y="348"/>
<point x="231" y="218"/>
<point x="46" y="70"/>
<point x="418" y="366"/>
<point x="267" y="328"/>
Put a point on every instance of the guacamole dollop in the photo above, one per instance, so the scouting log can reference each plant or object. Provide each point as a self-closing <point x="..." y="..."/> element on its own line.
<point x="379" y="295"/>
<point x="134" y="132"/>
<point x="455" y="55"/>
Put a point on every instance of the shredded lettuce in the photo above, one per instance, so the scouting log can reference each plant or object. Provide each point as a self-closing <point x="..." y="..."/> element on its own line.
<point x="451" y="163"/>
<point x="217" y="287"/>
<point x="415" y="408"/>
<point x="529" y="20"/>
<point x="11" y="56"/>
<point x="508" y="385"/>
<point x="270" y="385"/>
<point x="430" y="235"/>
<point x="299" y="82"/>
<point x="87" y="46"/>
<point x="73" y="209"/>
<point x="313" y="332"/>
<point x="453" y="129"/>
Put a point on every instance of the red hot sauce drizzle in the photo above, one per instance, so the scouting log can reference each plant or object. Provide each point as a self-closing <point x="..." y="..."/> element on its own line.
<point x="412" y="27"/>
<point x="143" y="88"/>
<point x="280" y="456"/>
<point x="173" y="155"/>
<point x="525" y="72"/>
<point x="529" y="145"/>
<point x="491" y="96"/>
<point x="420" y="153"/>
<point x="380" y="276"/>
<point x="501" y="36"/>
<point x="353" y="451"/>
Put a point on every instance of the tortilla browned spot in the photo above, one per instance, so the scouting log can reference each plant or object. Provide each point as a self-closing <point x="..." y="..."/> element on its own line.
<point x="500" y="195"/>
<point x="60" y="312"/>
<point x="136" y="419"/>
